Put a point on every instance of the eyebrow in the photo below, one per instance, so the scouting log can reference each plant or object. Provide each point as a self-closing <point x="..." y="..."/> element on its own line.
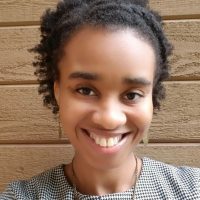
<point x="136" y="81"/>
<point x="94" y="77"/>
<point x="84" y="75"/>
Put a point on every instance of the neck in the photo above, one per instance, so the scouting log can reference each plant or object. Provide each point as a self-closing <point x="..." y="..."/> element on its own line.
<point x="89" y="180"/>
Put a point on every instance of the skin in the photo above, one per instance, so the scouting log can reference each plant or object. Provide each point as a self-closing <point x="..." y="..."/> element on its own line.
<point x="105" y="86"/>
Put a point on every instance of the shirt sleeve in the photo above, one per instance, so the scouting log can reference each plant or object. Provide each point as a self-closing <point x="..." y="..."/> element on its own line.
<point x="8" y="194"/>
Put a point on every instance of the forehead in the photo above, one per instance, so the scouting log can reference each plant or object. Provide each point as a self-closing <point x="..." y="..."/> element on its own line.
<point x="100" y="50"/>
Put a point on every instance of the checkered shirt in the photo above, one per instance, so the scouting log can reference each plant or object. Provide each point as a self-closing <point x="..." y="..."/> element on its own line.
<point x="157" y="181"/>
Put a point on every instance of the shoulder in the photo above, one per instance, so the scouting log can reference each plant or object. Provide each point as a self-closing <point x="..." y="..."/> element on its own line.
<point x="50" y="184"/>
<point x="169" y="181"/>
<point x="169" y="170"/>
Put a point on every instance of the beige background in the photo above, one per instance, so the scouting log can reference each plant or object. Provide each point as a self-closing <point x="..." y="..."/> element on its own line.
<point x="29" y="137"/>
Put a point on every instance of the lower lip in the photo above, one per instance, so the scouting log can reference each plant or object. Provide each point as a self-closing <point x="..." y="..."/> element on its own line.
<point x="104" y="150"/>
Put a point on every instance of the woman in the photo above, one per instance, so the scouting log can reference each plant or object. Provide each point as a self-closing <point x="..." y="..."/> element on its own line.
<point x="101" y="65"/>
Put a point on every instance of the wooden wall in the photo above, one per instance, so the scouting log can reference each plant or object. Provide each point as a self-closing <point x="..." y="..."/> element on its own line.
<point x="29" y="138"/>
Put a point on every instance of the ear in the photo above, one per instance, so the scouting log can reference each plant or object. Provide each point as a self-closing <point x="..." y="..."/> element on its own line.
<point x="57" y="91"/>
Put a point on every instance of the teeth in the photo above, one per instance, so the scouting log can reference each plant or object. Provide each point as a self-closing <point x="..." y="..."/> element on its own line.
<point x="110" y="142"/>
<point x="105" y="142"/>
<point x="116" y="140"/>
<point x="97" y="141"/>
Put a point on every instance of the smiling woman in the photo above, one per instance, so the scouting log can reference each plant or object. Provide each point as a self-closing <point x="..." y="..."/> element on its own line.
<point x="101" y="68"/>
<point x="109" y="87"/>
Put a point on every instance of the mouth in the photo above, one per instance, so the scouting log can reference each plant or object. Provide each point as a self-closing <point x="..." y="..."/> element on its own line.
<point x="103" y="141"/>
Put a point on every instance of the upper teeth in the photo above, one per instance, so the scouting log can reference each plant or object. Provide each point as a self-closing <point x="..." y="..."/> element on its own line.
<point x="105" y="142"/>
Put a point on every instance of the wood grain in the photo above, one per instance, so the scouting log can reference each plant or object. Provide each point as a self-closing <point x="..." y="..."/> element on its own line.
<point x="29" y="12"/>
<point x="16" y="62"/>
<point x="179" y="118"/>
<point x="184" y="36"/>
<point x="177" y="9"/>
<point x="23" y="118"/>
<point x="24" y="161"/>
<point x="19" y="12"/>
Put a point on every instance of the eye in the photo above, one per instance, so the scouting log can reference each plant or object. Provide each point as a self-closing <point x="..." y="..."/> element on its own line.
<point x="86" y="91"/>
<point x="133" y="96"/>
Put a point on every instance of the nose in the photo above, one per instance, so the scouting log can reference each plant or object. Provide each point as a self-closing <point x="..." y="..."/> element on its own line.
<point x="109" y="116"/>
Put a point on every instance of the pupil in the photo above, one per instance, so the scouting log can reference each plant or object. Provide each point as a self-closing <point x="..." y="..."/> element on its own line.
<point x="131" y="96"/>
<point x="86" y="91"/>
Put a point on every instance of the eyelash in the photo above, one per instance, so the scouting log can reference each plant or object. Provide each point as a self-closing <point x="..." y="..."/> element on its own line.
<point x="86" y="91"/>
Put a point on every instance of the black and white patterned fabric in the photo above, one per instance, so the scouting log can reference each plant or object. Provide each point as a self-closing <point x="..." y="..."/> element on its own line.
<point x="157" y="181"/>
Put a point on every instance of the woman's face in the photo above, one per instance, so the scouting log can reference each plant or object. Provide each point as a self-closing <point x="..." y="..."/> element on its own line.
<point x="105" y="94"/>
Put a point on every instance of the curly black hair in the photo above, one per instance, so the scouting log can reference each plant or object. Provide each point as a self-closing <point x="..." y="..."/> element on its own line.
<point x="59" y="25"/>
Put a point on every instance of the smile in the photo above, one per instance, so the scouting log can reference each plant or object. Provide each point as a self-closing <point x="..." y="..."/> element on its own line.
<point x="105" y="142"/>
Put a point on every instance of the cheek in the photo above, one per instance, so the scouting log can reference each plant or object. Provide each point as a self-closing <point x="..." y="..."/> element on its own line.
<point x="73" y="112"/>
<point x="143" y="116"/>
